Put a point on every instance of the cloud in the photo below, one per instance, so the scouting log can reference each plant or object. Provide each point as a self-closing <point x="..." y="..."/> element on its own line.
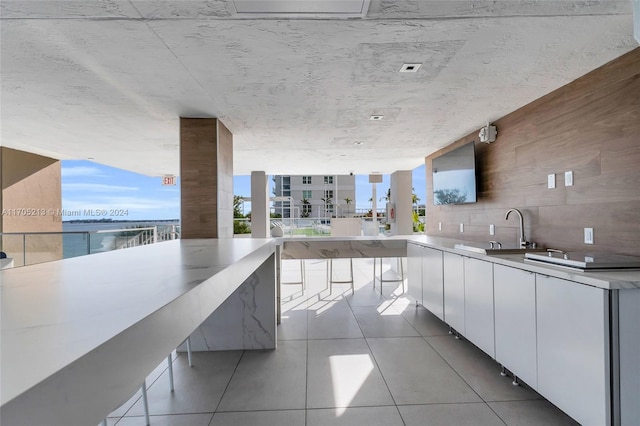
<point x="83" y="171"/>
<point x="96" y="187"/>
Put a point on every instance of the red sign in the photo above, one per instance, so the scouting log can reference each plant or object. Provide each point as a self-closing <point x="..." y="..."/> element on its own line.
<point x="168" y="180"/>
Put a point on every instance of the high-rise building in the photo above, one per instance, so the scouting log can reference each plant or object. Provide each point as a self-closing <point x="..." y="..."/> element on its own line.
<point x="315" y="196"/>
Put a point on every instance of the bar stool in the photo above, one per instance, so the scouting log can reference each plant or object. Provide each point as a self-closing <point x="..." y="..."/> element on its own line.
<point x="143" y="388"/>
<point x="303" y="275"/>
<point x="382" y="280"/>
<point x="332" y="281"/>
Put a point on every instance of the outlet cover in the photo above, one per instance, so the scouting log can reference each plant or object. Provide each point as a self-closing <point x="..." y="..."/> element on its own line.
<point x="461" y="227"/>
<point x="492" y="230"/>
<point x="551" y="181"/>
<point x="568" y="178"/>
<point x="588" y="235"/>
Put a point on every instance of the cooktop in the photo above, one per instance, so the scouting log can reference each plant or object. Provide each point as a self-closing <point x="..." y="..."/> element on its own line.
<point x="586" y="261"/>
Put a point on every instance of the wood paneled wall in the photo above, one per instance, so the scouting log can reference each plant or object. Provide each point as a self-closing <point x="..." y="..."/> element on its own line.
<point x="206" y="179"/>
<point x="591" y="126"/>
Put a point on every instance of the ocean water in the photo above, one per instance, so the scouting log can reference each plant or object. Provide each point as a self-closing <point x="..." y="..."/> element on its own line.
<point x="78" y="244"/>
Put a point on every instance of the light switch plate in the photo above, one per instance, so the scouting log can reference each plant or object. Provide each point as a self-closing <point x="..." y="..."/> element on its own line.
<point x="462" y="227"/>
<point x="588" y="235"/>
<point x="568" y="178"/>
<point x="439" y="226"/>
<point x="551" y="181"/>
<point x="492" y="230"/>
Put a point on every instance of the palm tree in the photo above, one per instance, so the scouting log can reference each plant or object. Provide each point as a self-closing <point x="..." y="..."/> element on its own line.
<point x="305" y="207"/>
<point x="348" y="201"/>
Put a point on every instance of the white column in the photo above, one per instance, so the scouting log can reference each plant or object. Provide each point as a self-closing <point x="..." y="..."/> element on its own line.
<point x="373" y="180"/>
<point x="259" y="205"/>
<point x="636" y="20"/>
<point x="401" y="198"/>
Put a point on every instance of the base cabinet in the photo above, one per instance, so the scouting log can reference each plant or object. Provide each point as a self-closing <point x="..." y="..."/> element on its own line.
<point x="433" y="282"/>
<point x="573" y="348"/>
<point x="453" y="266"/>
<point x="478" y="304"/>
<point x="515" y="321"/>
<point x="414" y="272"/>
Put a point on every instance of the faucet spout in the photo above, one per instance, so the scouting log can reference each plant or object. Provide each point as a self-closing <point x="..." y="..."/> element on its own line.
<point x="523" y="240"/>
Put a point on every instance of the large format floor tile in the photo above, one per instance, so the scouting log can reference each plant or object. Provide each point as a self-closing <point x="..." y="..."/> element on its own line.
<point x="468" y="414"/>
<point x="480" y="371"/>
<point x="342" y="373"/>
<point x="357" y="416"/>
<point x="531" y="413"/>
<point x="293" y="325"/>
<point x="269" y="380"/>
<point x="260" y="418"/>
<point x="333" y="323"/>
<point x="422" y="320"/>
<point x="388" y="323"/>
<point x="169" y="420"/>
<point x="416" y="374"/>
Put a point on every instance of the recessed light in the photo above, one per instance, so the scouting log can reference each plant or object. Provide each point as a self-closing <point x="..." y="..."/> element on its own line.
<point x="376" y="117"/>
<point x="358" y="143"/>
<point x="410" y="67"/>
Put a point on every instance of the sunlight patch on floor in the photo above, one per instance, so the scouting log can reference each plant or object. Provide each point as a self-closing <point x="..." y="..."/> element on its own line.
<point x="348" y="374"/>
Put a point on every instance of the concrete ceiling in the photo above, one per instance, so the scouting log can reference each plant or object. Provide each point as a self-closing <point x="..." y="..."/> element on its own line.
<point x="109" y="79"/>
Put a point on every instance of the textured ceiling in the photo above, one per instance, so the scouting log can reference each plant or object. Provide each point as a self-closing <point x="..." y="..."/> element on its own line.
<point x="109" y="79"/>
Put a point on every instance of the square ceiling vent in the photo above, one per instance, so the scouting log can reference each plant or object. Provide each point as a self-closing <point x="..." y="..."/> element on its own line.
<point x="302" y="8"/>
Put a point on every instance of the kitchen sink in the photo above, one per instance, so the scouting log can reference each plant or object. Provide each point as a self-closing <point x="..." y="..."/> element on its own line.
<point x="481" y="248"/>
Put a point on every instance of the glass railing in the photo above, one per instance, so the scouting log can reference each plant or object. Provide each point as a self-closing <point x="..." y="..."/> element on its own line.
<point x="29" y="248"/>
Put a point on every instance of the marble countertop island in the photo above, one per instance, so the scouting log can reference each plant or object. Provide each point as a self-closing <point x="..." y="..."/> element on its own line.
<point x="88" y="330"/>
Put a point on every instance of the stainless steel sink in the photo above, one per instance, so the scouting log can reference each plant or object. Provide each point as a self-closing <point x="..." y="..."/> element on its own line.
<point x="494" y="251"/>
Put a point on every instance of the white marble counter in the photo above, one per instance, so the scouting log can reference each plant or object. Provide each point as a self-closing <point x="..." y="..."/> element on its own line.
<point x="88" y="329"/>
<point x="343" y="247"/>
<point x="608" y="280"/>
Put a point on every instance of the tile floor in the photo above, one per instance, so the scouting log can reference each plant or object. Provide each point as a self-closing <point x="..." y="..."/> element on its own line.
<point x="343" y="359"/>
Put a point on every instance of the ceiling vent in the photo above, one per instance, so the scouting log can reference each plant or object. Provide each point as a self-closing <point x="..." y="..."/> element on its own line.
<point x="301" y="9"/>
<point x="410" y="67"/>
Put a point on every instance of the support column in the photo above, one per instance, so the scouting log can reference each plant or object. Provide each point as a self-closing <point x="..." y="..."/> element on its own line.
<point x="259" y="205"/>
<point x="206" y="179"/>
<point x="401" y="199"/>
<point x="636" y="20"/>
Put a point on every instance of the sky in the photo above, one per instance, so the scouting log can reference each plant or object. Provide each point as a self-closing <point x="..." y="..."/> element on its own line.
<point x="95" y="191"/>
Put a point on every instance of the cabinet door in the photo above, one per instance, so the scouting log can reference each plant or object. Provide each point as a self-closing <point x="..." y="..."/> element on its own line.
<point x="478" y="304"/>
<point x="432" y="282"/>
<point x="454" y="291"/>
<point x="414" y="272"/>
<point x="515" y="321"/>
<point x="573" y="348"/>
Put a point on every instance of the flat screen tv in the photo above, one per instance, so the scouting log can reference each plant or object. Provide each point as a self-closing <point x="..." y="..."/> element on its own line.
<point x="454" y="176"/>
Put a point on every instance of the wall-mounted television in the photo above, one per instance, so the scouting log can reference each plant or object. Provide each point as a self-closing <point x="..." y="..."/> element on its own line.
<point x="454" y="176"/>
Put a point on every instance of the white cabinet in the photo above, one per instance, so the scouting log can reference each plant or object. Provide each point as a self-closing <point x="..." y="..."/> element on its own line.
<point x="433" y="282"/>
<point x="454" y="291"/>
<point x="573" y="348"/>
<point x="414" y="272"/>
<point x="515" y="321"/>
<point x="478" y="304"/>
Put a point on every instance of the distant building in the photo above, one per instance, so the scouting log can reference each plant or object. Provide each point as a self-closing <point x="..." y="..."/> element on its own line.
<point x="315" y="196"/>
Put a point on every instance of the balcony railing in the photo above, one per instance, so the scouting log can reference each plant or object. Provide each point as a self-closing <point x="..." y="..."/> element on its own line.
<point x="28" y="248"/>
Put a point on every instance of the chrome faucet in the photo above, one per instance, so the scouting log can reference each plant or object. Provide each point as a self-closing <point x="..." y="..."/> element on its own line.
<point x="523" y="240"/>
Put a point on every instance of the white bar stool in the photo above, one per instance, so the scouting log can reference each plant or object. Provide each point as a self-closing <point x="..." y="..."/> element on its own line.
<point x="332" y="281"/>
<point x="382" y="280"/>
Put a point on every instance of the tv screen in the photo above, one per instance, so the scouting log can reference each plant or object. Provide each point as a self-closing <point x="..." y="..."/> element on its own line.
<point x="454" y="176"/>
